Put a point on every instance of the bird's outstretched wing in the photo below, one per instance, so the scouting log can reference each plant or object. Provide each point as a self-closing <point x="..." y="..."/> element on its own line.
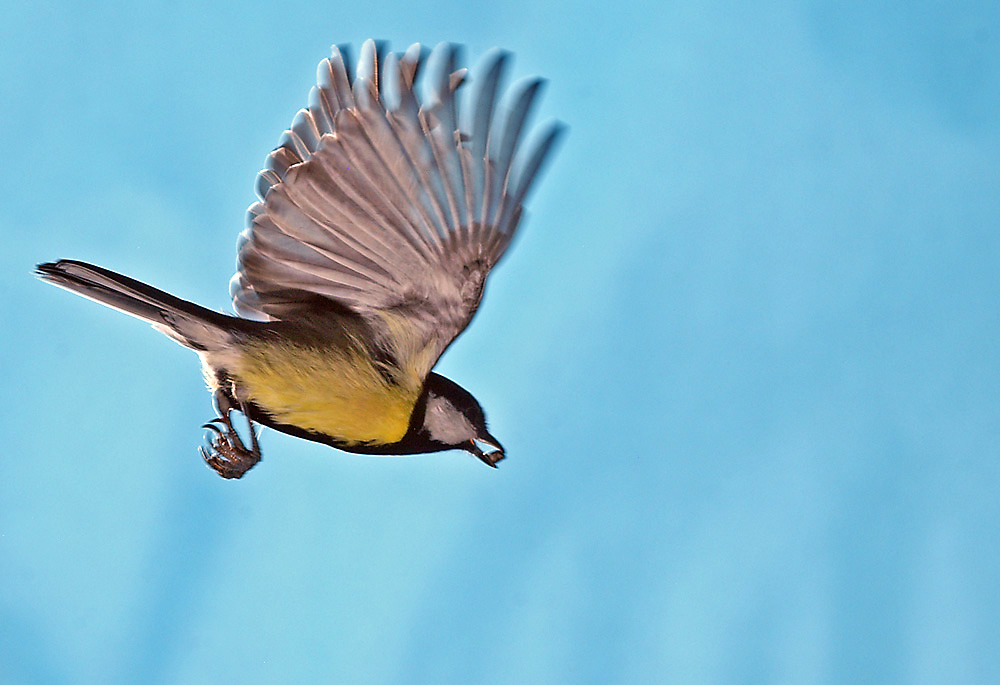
<point x="393" y="205"/>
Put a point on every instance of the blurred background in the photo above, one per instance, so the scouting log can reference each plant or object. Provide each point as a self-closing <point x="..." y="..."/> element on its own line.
<point x="744" y="359"/>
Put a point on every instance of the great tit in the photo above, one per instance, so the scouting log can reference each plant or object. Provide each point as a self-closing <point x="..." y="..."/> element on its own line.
<point x="381" y="214"/>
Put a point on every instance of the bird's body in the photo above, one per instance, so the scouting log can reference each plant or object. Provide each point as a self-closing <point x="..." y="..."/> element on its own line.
<point x="325" y="379"/>
<point x="379" y="221"/>
<point x="332" y="390"/>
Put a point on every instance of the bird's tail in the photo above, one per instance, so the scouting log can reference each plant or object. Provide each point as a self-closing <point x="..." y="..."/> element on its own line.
<point x="189" y="324"/>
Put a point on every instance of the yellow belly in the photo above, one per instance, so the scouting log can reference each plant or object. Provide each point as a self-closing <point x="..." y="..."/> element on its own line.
<point x="339" y="393"/>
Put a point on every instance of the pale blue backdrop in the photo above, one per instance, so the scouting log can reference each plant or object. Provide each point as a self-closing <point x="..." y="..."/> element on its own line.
<point x="744" y="358"/>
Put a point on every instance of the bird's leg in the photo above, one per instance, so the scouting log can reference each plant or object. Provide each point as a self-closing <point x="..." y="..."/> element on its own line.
<point x="227" y="454"/>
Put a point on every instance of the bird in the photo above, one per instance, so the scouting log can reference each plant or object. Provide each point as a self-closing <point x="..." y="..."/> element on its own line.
<point x="381" y="212"/>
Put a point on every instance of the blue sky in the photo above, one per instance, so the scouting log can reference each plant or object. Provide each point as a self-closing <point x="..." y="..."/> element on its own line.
<point x="743" y="358"/>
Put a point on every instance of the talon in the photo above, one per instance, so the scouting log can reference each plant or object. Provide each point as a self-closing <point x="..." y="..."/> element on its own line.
<point x="226" y="453"/>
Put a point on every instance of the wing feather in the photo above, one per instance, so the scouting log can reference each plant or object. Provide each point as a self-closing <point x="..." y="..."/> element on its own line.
<point x="391" y="206"/>
<point x="410" y="133"/>
<point x="400" y="173"/>
<point x="508" y="145"/>
<point x="382" y="181"/>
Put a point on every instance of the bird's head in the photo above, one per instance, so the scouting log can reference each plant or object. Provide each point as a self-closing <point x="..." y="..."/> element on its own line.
<point x="454" y="420"/>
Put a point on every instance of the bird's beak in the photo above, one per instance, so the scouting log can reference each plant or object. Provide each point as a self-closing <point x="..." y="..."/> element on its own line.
<point x="492" y="453"/>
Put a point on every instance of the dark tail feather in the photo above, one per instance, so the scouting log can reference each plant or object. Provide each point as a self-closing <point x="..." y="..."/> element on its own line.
<point x="187" y="323"/>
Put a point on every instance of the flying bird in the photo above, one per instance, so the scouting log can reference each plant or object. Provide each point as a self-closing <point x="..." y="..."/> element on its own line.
<point x="381" y="213"/>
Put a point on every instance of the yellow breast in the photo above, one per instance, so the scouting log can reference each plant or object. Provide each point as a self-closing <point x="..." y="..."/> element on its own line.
<point x="337" y="392"/>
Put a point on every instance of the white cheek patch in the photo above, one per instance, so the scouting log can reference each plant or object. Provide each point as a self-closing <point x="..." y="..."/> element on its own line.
<point x="445" y="423"/>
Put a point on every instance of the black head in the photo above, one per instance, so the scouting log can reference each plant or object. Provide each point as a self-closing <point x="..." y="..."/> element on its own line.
<point x="454" y="420"/>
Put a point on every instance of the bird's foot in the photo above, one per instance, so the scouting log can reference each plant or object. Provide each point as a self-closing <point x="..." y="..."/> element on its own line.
<point x="227" y="454"/>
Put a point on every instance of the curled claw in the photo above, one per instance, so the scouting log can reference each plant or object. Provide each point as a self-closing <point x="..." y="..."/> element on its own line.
<point x="227" y="454"/>
<point x="211" y="426"/>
